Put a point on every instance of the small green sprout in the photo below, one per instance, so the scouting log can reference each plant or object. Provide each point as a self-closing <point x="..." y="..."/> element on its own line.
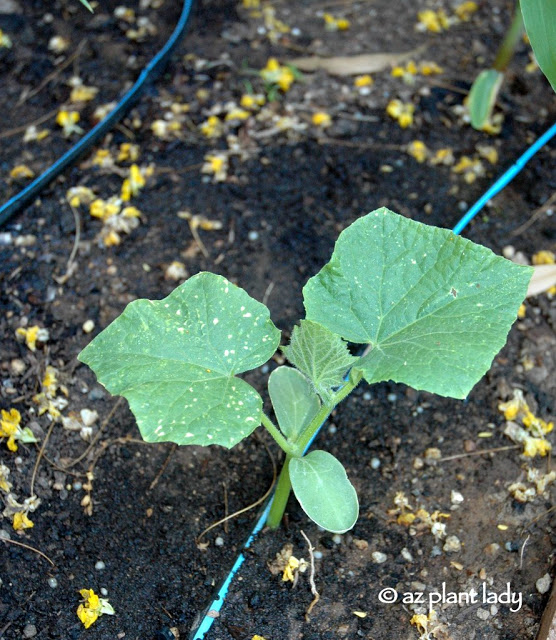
<point x="428" y="309"/>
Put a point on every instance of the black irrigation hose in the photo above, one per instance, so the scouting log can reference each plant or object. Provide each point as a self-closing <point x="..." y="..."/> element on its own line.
<point x="149" y="73"/>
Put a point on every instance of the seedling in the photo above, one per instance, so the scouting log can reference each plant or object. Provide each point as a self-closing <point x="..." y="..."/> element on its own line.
<point x="428" y="308"/>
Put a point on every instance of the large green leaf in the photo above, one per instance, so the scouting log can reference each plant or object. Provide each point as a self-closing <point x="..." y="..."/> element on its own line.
<point x="320" y="354"/>
<point x="434" y="307"/>
<point x="539" y="17"/>
<point x="321" y="486"/>
<point x="175" y="361"/>
<point x="294" y="401"/>
<point x="482" y="97"/>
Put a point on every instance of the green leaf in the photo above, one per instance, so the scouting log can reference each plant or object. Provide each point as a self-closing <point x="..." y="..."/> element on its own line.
<point x="295" y="403"/>
<point x="540" y="23"/>
<point x="482" y="97"/>
<point x="321" y="486"/>
<point x="87" y="5"/>
<point x="434" y="307"/>
<point x="175" y="361"/>
<point x="320" y="354"/>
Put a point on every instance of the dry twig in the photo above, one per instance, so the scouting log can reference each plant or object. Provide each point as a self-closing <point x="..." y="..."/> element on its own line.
<point x="249" y="507"/>
<point x="26" y="546"/>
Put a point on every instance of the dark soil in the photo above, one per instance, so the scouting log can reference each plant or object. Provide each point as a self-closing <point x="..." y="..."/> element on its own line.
<point x="281" y="209"/>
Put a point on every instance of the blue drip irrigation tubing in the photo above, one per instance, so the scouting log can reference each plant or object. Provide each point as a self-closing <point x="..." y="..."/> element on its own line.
<point x="506" y="178"/>
<point x="218" y="601"/>
<point x="150" y="72"/>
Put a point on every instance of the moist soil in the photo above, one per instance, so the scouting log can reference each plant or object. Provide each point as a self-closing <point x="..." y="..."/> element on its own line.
<point x="122" y="517"/>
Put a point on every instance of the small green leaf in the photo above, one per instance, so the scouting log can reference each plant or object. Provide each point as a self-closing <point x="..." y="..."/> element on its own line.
<point x="295" y="403"/>
<point x="540" y="23"/>
<point x="87" y="5"/>
<point x="482" y="97"/>
<point x="321" y="486"/>
<point x="175" y="361"/>
<point x="320" y="354"/>
<point x="434" y="307"/>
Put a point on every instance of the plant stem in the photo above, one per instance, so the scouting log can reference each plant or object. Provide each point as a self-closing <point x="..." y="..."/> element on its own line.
<point x="275" y="433"/>
<point x="281" y="495"/>
<point x="283" y="486"/>
<point x="506" y="50"/>
<point x="323" y="413"/>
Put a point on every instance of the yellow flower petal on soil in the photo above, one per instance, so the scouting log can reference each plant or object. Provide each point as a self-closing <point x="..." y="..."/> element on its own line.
<point x="32" y="134"/>
<point x="92" y="607"/>
<point x="536" y="425"/>
<point x="430" y="20"/>
<point x="406" y="519"/>
<point x="80" y="195"/>
<point x="544" y="257"/>
<point x="465" y="10"/>
<point x="274" y="73"/>
<point x="289" y="569"/>
<point x="102" y="158"/>
<point x="132" y="185"/>
<point x="21" y="521"/>
<point x="128" y="152"/>
<point x="443" y="156"/>
<point x="131" y="212"/>
<point x="212" y="128"/>
<point x="103" y="209"/>
<point x="87" y="616"/>
<point x="5" y="484"/>
<point x="522" y="311"/>
<point x="536" y="446"/>
<point x="252" y="101"/>
<point x="32" y="335"/>
<point x="237" y="114"/>
<point x="81" y="93"/>
<point x="111" y="239"/>
<point x="471" y="168"/>
<point x="423" y="622"/>
<point x="363" y="81"/>
<point x="418" y="150"/>
<point x="68" y="121"/>
<point x="21" y="171"/>
<point x="335" y="24"/>
<point x="217" y="165"/>
<point x="9" y="425"/>
<point x="321" y="119"/>
<point x="163" y="128"/>
<point x="50" y="381"/>
<point x="488" y="153"/>
<point x="512" y="407"/>
<point x="401" y="112"/>
<point x="430" y="68"/>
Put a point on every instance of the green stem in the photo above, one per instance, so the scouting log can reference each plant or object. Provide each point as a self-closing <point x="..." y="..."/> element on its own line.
<point x="324" y="412"/>
<point x="507" y="48"/>
<point x="284" y="485"/>
<point x="275" y="433"/>
<point x="281" y="495"/>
